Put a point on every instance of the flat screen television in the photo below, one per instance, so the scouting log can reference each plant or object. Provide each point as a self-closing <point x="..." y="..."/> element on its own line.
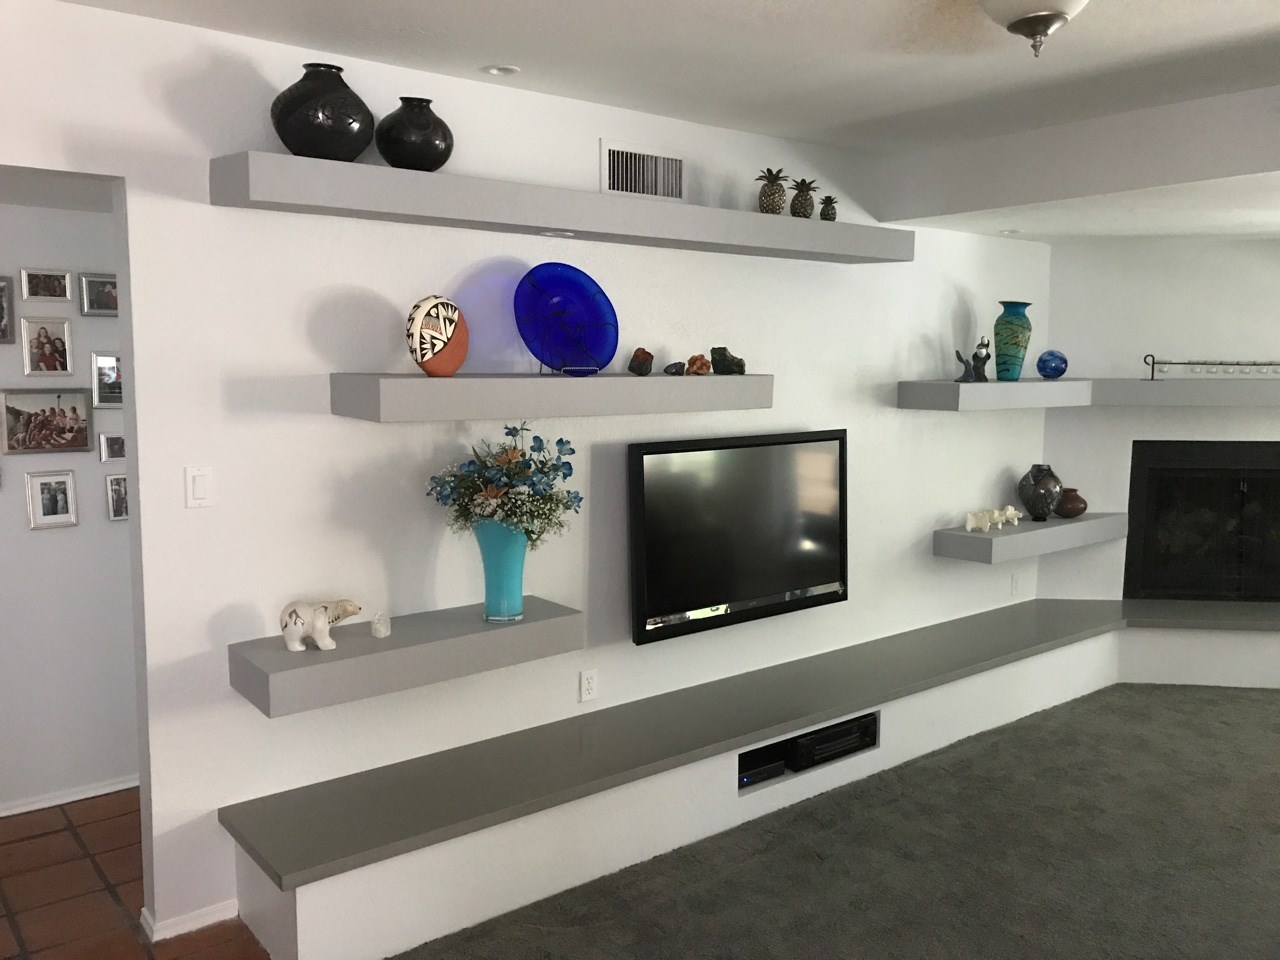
<point x="735" y="528"/>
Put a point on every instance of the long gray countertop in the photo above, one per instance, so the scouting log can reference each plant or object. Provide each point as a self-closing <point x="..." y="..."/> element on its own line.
<point x="303" y="835"/>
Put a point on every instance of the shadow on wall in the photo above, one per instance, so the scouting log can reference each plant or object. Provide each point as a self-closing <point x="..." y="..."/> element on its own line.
<point x="384" y="501"/>
<point x="608" y="587"/>
<point x="357" y="329"/>
<point x="485" y="296"/>
<point x="220" y="100"/>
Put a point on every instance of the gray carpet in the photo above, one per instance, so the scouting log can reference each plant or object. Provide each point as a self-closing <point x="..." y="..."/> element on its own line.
<point x="1138" y="822"/>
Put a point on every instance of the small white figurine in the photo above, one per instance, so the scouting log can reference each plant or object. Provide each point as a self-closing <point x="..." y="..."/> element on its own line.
<point x="381" y="625"/>
<point x="977" y="521"/>
<point x="984" y="520"/>
<point x="302" y="618"/>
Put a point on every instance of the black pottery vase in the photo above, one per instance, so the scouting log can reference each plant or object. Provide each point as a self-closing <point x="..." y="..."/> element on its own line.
<point x="320" y="116"/>
<point x="1040" y="490"/>
<point x="413" y="137"/>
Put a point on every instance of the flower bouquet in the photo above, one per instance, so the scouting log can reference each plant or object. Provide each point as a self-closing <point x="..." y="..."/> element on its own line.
<point x="510" y="497"/>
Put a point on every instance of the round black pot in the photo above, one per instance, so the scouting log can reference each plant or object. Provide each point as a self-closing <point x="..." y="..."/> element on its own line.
<point x="320" y="116"/>
<point x="413" y="136"/>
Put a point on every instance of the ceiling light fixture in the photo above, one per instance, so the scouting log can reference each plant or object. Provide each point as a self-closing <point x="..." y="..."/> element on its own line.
<point x="1030" y="19"/>
<point x="500" y="70"/>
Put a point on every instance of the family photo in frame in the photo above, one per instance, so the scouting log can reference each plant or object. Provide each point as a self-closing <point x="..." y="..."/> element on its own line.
<point x="51" y="499"/>
<point x="117" y="497"/>
<point x="111" y="447"/>
<point x="98" y="296"/>
<point x="47" y="421"/>
<point x="46" y="284"/>
<point x="48" y="343"/>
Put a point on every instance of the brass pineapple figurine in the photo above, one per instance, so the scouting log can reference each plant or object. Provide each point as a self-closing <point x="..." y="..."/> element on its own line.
<point x="828" y="211"/>
<point x="802" y="202"/>
<point x="773" y="195"/>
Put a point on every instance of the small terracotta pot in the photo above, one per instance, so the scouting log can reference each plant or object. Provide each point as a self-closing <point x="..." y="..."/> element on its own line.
<point x="1071" y="504"/>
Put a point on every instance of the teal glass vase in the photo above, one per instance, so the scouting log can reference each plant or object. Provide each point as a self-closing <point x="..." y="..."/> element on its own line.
<point x="502" y="550"/>
<point x="1013" y="335"/>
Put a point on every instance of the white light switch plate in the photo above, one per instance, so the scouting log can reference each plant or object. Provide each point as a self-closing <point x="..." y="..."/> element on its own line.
<point x="199" y="486"/>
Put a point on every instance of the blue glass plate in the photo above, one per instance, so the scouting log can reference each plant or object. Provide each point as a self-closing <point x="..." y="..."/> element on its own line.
<point x="566" y="320"/>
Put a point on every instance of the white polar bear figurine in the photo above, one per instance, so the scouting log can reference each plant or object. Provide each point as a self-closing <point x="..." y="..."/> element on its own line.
<point x="303" y="618"/>
<point x="984" y="520"/>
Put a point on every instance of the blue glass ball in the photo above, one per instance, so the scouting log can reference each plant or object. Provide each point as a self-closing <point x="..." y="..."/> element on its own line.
<point x="1051" y="364"/>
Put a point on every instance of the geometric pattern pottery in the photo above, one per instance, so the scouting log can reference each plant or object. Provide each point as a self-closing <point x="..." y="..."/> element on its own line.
<point x="566" y="320"/>
<point x="438" y="337"/>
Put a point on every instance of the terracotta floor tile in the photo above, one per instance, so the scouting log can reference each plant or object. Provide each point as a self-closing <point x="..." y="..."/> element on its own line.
<point x="122" y="865"/>
<point x="8" y="946"/>
<point x="121" y="945"/>
<point x="104" y="807"/>
<point x="180" y="948"/>
<point x="131" y="894"/>
<point x="75" y="919"/>
<point x="244" y="947"/>
<point x="27" y="855"/>
<point x="104" y="835"/>
<point x="24" y="825"/>
<point x="50" y="884"/>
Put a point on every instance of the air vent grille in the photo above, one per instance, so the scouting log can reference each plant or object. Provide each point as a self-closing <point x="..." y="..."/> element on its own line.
<point x="627" y="170"/>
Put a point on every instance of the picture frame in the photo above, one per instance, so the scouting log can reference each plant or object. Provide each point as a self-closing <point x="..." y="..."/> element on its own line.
<point x="48" y="347"/>
<point x="31" y="427"/>
<point x="46" y="284"/>
<point x="111" y="447"/>
<point x="99" y="295"/>
<point x="8" y="322"/>
<point x="108" y="382"/>
<point x="51" y="499"/>
<point x="117" y="497"/>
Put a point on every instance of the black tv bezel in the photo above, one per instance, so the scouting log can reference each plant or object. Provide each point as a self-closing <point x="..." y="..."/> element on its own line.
<point x="636" y="453"/>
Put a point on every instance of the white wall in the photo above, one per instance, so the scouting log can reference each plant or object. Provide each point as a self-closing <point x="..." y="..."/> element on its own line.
<point x="240" y="315"/>
<point x="1115" y="301"/>
<point x="67" y="703"/>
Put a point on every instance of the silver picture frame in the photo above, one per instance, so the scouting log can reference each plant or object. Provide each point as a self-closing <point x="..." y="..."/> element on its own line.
<point x="108" y="381"/>
<point x="117" y="497"/>
<point x="111" y="447"/>
<point x="46" y="284"/>
<point x="52" y="420"/>
<point x="48" y="347"/>
<point x="8" y="322"/>
<point x="51" y="499"/>
<point x="99" y="295"/>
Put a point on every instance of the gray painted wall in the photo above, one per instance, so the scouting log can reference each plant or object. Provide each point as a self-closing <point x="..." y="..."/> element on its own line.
<point x="67" y="702"/>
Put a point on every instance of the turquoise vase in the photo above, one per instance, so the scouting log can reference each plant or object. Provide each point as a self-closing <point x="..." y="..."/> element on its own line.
<point x="502" y="551"/>
<point x="1013" y="334"/>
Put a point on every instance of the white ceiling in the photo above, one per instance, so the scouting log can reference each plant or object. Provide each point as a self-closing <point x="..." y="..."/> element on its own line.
<point x="875" y="75"/>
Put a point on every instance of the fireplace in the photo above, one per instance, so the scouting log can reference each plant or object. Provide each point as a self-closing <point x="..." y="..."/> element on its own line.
<point x="1204" y="521"/>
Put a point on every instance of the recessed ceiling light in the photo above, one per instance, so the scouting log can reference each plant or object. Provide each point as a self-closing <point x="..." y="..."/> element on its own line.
<point x="1009" y="233"/>
<point x="500" y="70"/>
<point x="558" y="233"/>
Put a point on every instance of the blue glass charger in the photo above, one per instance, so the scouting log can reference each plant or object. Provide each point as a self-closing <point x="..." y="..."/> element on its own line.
<point x="1051" y="365"/>
<point x="566" y="320"/>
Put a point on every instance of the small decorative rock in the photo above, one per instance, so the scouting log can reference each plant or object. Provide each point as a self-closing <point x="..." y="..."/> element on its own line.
<point x="698" y="366"/>
<point x="725" y="363"/>
<point x="674" y="369"/>
<point x="641" y="362"/>
<point x="381" y="625"/>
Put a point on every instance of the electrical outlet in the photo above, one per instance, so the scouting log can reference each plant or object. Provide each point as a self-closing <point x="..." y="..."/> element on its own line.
<point x="1015" y="584"/>
<point x="588" y="685"/>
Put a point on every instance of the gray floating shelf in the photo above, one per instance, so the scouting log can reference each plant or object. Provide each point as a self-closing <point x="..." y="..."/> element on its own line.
<point x="1237" y="391"/>
<point x="995" y="395"/>
<point x="414" y="398"/>
<point x="1240" y="391"/>
<point x="423" y="648"/>
<point x="274" y="181"/>
<point x="1029" y="538"/>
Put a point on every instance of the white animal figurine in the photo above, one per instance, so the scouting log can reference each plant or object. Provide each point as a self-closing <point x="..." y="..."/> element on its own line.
<point x="302" y="618"/>
<point x="1012" y="514"/>
<point x="979" y="520"/>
